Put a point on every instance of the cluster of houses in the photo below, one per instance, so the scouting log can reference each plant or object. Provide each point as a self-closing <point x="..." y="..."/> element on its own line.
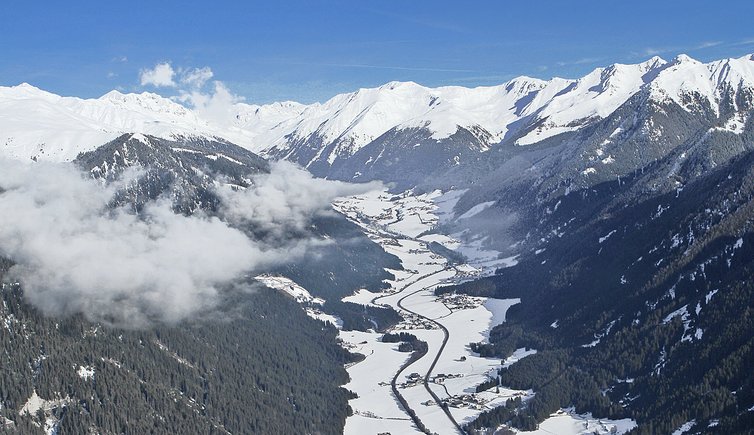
<point x="441" y="377"/>
<point x="412" y="380"/>
<point x="412" y="321"/>
<point x="471" y="401"/>
<point x="455" y="302"/>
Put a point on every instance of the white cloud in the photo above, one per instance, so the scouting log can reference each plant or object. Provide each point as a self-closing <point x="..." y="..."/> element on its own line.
<point x="197" y="77"/>
<point x="708" y="44"/>
<point x="74" y="254"/>
<point x="160" y="76"/>
<point x="216" y="106"/>
<point x="654" y="51"/>
<point x="748" y="41"/>
<point x="211" y="100"/>
<point x="284" y="201"/>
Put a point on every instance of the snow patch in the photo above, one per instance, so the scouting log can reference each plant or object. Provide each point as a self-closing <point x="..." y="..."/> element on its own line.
<point x="35" y="403"/>
<point x="685" y="427"/>
<point x="86" y="372"/>
<point x="361" y="297"/>
<point x="567" y="422"/>
<point x="607" y="236"/>
<point x="288" y="286"/>
<point x="473" y="211"/>
<point x="736" y="124"/>
<point x="517" y="356"/>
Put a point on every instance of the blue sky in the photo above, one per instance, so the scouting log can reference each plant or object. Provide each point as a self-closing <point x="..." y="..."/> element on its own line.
<point x="311" y="50"/>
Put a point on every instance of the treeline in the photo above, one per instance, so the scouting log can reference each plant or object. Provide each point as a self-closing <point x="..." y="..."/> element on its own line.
<point x="357" y="317"/>
<point x="391" y="337"/>
<point x="337" y="269"/>
<point x="506" y="413"/>
<point x="408" y="343"/>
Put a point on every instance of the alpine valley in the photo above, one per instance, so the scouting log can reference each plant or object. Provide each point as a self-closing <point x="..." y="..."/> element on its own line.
<point x="563" y="256"/>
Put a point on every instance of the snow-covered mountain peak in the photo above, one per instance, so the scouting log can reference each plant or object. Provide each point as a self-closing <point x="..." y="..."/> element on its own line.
<point x="685" y="77"/>
<point x="36" y="123"/>
<point x="734" y="71"/>
<point x="593" y="96"/>
<point x="357" y="118"/>
<point x="146" y="100"/>
<point x="684" y="59"/>
<point x="389" y="86"/>
<point x="522" y="86"/>
<point x="247" y="114"/>
<point x="654" y="62"/>
<point x="112" y="95"/>
<point x="26" y="91"/>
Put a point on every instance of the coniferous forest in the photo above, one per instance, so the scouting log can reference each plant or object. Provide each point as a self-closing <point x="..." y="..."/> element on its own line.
<point x="639" y="325"/>
<point x="264" y="368"/>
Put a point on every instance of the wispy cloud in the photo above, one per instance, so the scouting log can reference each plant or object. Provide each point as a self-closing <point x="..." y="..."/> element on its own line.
<point x="655" y="51"/>
<point x="394" y="67"/>
<point x="75" y="255"/>
<point x="581" y="61"/>
<point x="422" y="21"/>
<point x="709" y="44"/>
<point x="492" y="78"/>
<point x="376" y="66"/>
<point x="747" y="41"/>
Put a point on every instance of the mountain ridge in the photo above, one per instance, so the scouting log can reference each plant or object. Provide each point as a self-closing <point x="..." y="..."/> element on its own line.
<point x="529" y="109"/>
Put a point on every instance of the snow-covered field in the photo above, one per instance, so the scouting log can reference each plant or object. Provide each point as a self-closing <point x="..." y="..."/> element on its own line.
<point x="404" y="225"/>
<point x="567" y="422"/>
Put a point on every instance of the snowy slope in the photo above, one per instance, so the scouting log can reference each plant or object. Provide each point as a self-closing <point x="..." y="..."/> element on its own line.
<point x="525" y="108"/>
<point x="41" y="125"/>
<point x="685" y="76"/>
<point x="593" y="96"/>
<point x="35" y="123"/>
<point x="356" y="119"/>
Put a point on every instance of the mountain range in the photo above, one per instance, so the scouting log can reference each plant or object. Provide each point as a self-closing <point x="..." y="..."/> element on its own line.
<point x="523" y="111"/>
<point x="625" y="196"/>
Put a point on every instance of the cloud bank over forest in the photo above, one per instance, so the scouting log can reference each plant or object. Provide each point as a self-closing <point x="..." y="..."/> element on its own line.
<point x="73" y="253"/>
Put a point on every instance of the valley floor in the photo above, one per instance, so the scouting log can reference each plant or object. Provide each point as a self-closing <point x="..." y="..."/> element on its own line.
<point x="449" y="371"/>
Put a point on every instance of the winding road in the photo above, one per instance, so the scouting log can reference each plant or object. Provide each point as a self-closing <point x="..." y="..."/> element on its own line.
<point x="432" y="272"/>
<point x="408" y="363"/>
